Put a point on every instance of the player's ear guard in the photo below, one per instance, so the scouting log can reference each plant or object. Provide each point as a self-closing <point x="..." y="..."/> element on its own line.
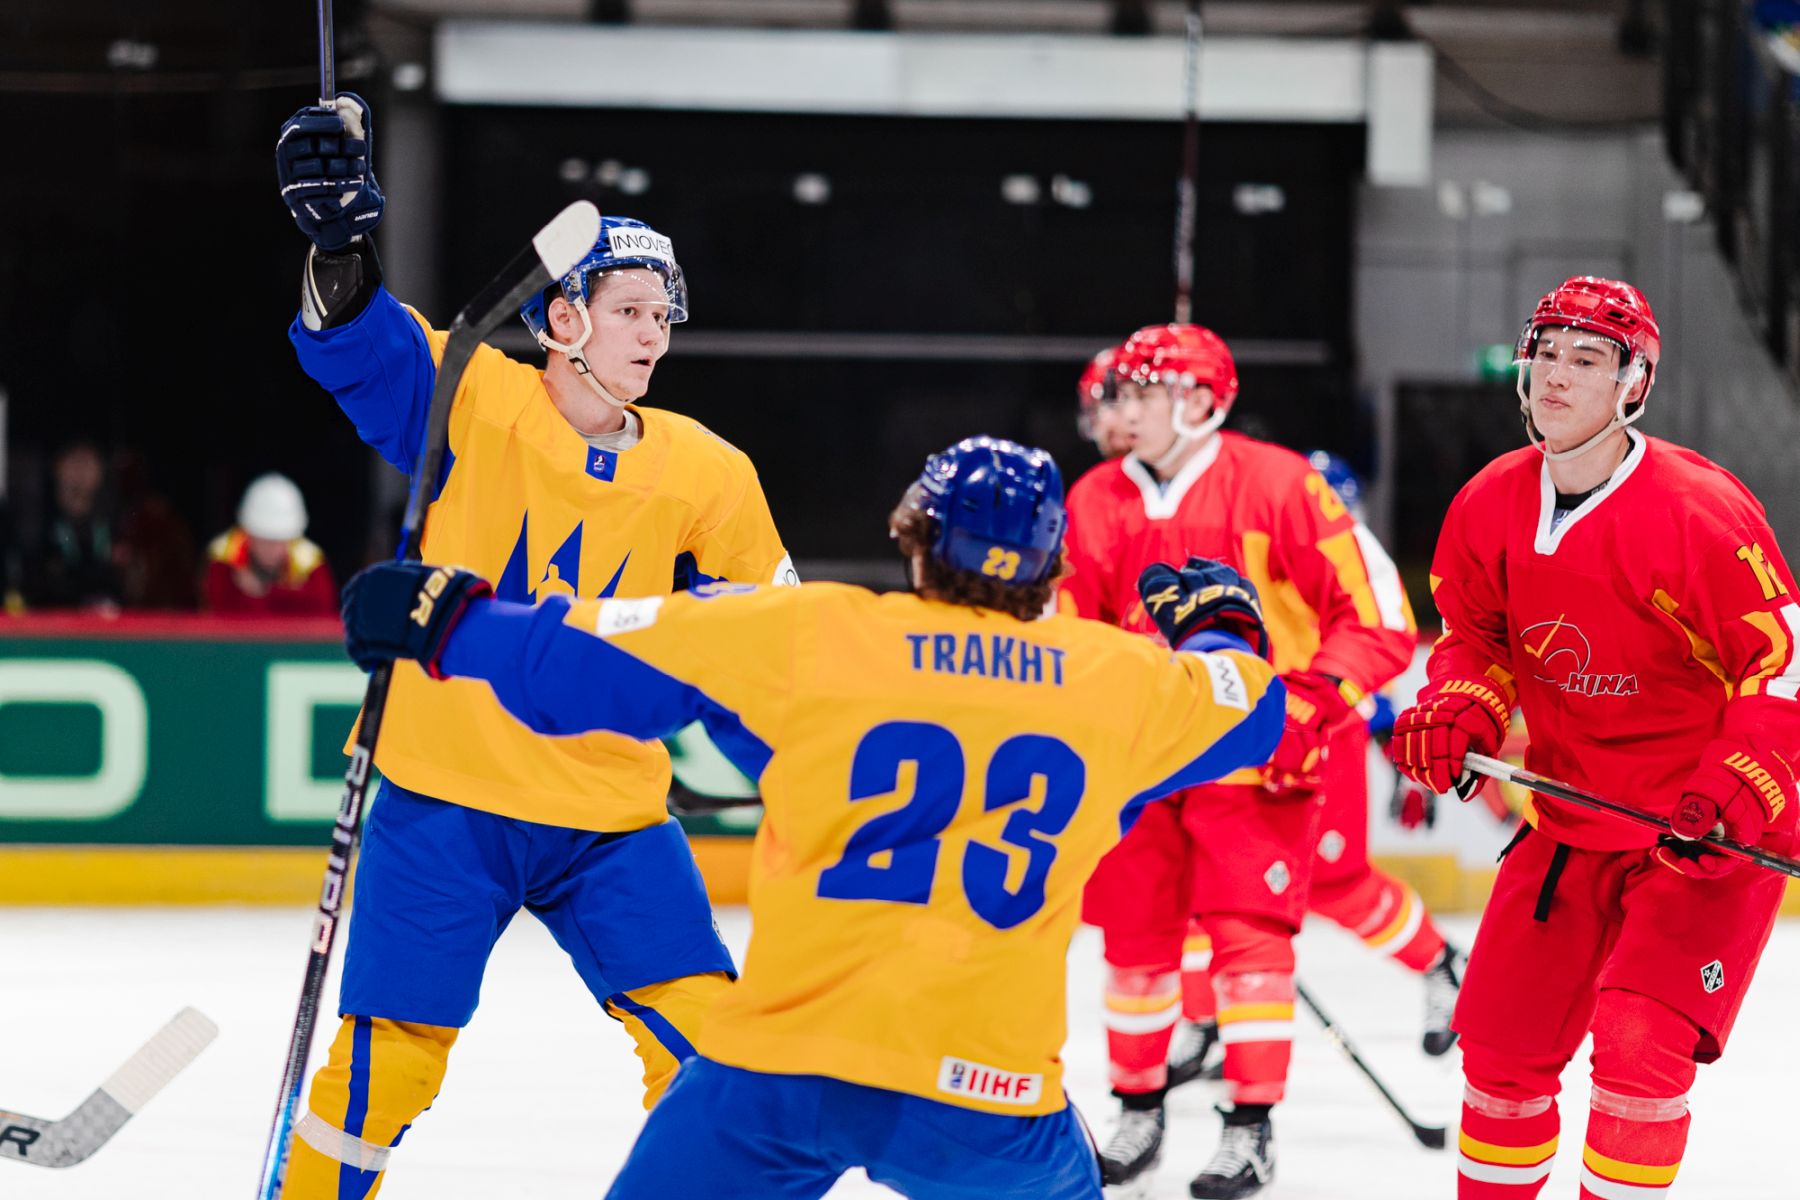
<point x="406" y="610"/>
<point x="1203" y="595"/>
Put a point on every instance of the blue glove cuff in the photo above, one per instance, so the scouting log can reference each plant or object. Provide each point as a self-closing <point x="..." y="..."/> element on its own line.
<point x="1215" y="639"/>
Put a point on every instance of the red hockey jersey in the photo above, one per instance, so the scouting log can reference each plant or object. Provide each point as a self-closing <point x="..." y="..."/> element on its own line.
<point x="1655" y="616"/>
<point x="1331" y="596"/>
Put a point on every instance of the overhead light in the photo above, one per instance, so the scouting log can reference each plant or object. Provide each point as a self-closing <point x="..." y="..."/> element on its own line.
<point x="1451" y="200"/>
<point x="131" y="54"/>
<point x="409" y="76"/>
<point x="1071" y="193"/>
<point x="572" y="170"/>
<point x="1490" y="199"/>
<point x="1021" y="189"/>
<point x="810" y="187"/>
<point x="634" y="181"/>
<point x="1258" y="199"/>
<point x="1683" y="207"/>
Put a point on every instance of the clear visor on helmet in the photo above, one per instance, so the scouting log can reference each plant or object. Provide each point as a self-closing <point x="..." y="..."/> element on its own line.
<point x="1099" y="403"/>
<point x="641" y="287"/>
<point x="1555" y="354"/>
<point x="1182" y="388"/>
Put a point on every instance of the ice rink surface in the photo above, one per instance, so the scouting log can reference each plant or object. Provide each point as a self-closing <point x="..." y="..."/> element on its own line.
<point x="542" y="1095"/>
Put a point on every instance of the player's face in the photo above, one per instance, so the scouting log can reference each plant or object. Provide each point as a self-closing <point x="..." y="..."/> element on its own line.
<point x="630" y="312"/>
<point x="1144" y="410"/>
<point x="1147" y="410"/>
<point x="1106" y="425"/>
<point x="1573" y="385"/>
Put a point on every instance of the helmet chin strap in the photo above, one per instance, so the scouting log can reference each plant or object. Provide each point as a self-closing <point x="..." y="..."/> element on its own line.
<point x="1187" y="436"/>
<point x="577" y="359"/>
<point x="1619" y="420"/>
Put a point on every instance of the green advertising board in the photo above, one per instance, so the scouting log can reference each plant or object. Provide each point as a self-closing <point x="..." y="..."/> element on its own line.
<point x="200" y="733"/>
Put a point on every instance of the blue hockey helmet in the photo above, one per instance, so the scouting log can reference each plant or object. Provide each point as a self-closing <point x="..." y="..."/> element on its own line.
<point x="998" y="507"/>
<point x="1340" y="475"/>
<point x="623" y="242"/>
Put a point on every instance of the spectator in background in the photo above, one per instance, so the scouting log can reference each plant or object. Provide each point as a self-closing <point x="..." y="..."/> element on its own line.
<point x="73" y="564"/>
<point x="263" y="566"/>
<point x="156" y="552"/>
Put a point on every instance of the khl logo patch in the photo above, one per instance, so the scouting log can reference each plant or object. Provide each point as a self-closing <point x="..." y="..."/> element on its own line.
<point x="1712" y="976"/>
<point x="1277" y="878"/>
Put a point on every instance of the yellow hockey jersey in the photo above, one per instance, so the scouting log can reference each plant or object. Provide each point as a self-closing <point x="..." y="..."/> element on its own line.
<point x="527" y="503"/>
<point x="939" y="782"/>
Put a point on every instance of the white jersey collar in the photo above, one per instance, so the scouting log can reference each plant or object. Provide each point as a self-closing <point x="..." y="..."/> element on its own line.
<point x="1160" y="501"/>
<point x="1549" y="532"/>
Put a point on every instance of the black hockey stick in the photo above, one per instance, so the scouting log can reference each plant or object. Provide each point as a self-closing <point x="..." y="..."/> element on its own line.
<point x="554" y="251"/>
<point x="1430" y="1136"/>
<point x="1493" y="767"/>
<point x="327" y="57"/>
<point x="46" y="1143"/>
<point x="1187" y="191"/>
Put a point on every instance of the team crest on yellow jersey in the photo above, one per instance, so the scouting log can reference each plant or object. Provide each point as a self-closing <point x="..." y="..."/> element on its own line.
<point x="524" y="583"/>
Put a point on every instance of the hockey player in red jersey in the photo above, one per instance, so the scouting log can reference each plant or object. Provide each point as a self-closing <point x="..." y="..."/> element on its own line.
<point x="1629" y="596"/>
<point x="1387" y="913"/>
<point x="1097" y="397"/>
<point x="1237" y="854"/>
<point x="1193" y="1045"/>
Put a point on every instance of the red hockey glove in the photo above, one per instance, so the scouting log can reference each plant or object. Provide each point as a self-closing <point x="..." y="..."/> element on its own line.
<point x="1414" y="805"/>
<point x="1316" y="710"/>
<point x="1450" y="719"/>
<point x="1746" y="792"/>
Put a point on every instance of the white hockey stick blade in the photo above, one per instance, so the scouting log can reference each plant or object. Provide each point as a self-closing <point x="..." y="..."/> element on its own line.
<point x="568" y="237"/>
<point x="77" y="1136"/>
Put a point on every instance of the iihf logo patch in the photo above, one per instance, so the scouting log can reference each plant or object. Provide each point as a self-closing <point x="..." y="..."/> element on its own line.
<point x="1277" y="878"/>
<point x="602" y="464"/>
<point x="1712" y="976"/>
<point x="960" y="1077"/>
<point x="1331" y="846"/>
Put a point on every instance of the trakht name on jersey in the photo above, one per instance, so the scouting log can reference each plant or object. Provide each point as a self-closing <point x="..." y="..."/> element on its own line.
<point x="988" y="655"/>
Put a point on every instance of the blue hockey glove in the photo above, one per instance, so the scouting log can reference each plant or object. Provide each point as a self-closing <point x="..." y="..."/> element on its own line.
<point x="406" y="610"/>
<point x="1202" y="595"/>
<point x="322" y="160"/>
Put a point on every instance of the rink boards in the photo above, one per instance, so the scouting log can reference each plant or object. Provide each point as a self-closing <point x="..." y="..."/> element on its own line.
<point x="179" y="760"/>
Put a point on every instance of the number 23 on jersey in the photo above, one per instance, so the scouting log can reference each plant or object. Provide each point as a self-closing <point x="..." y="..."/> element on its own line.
<point x="911" y="837"/>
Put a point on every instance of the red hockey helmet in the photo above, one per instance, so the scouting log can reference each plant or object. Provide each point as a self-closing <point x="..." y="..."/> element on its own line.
<point x="1098" y="382"/>
<point x="1614" y="310"/>
<point x="1182" y="357"/>
<point x="1609" y="309"/>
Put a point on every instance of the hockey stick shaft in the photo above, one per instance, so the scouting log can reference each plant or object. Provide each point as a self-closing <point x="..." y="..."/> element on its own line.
<point x="1429" y="1136"/>
<point x="327" y="57"/>
<point x="552" y="253"/>
<point x="1481" y="764"/>
<point x="1187" y="193"/>
<point x="76" y="1137"/>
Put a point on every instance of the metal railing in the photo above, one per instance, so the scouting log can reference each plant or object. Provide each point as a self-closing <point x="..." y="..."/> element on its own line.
<point x="1731" y="118"/>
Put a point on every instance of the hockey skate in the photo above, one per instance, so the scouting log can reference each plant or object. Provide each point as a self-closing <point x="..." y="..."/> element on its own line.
<point x="1134" y="1149"/>
<point x="1196" y="1053"/>
<point x="1442" y="983"/>
<point x="1244" y="1162"/>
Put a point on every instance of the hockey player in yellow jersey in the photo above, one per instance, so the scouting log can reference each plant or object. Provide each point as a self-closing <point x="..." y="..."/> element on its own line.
<point x="556" y="485"/>
<point x="940" y="772"/>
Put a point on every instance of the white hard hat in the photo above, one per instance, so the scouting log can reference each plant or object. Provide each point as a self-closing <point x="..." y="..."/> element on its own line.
<point x="272" y="508"/>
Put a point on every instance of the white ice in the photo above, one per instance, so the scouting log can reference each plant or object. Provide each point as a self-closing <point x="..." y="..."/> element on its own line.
<point x="542" y="1096"/>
